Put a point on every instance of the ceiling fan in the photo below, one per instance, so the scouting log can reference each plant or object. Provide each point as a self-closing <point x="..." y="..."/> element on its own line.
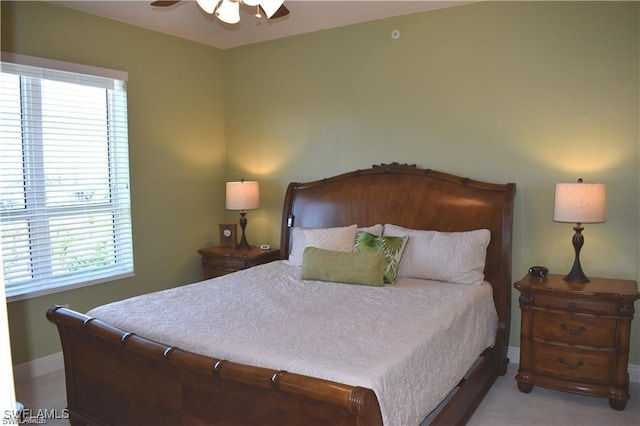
<point x="228" y="11"/>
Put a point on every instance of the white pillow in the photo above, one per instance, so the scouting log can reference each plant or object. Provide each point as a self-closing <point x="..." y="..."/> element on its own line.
<point x="336" y="239"/>
<point x="456" y="257"/>
<point x="374" y="229"/>
<point x="297" y="246"/>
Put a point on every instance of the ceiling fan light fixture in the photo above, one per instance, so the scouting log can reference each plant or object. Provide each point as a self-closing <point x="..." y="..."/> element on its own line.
<point x="208" y="6"/>
<point x="229" y="12"/>
<point x="270" y="6"/>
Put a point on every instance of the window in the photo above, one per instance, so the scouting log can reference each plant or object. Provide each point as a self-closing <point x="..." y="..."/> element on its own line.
<point x="65" y="217"/>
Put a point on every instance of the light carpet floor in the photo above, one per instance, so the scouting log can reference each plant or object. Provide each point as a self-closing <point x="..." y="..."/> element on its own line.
<point x="503" y="406"/>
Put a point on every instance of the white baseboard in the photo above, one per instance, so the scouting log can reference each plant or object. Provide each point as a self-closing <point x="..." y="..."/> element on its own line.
<point x="38" y="367"/>
<point x="634" y="370"/>
<point x="55" y="362"/>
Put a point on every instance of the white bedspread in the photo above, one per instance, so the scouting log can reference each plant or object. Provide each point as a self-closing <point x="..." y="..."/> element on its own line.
<point x="411" y="343"/>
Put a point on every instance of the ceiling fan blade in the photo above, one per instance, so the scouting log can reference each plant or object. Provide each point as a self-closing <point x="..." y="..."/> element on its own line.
<point x="164" y="3"/>
<point x="282" y="11"/>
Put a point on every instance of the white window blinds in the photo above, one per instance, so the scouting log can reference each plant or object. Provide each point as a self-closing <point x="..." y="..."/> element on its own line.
<point x="64" y="179"/>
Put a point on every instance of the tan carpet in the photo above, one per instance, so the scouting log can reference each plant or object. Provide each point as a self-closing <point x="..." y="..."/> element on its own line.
<point x="506" y="405"/>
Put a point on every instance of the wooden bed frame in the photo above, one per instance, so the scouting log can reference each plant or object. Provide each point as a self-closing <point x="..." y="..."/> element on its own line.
<point x="116" y="377"/>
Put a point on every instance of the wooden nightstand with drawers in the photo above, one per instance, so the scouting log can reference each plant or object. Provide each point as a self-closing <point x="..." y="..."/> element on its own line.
<point x="217" y="261"/>
<point x="575" y="336"/>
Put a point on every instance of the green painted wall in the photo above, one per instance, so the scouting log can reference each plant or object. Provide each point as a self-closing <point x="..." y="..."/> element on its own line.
<point x="532" y="93"/>
<point x="177" y="151"/>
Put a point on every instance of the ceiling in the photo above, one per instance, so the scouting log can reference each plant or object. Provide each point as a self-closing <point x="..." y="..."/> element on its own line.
<point x="188" y="21"/>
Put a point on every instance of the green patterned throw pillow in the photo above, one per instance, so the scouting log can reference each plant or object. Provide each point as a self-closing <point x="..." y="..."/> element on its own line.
<point x="392" y="247"/>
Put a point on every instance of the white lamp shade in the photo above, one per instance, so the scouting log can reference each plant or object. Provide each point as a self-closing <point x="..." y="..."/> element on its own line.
<point x="251" y="2"/>
<point x="243" y="195"/>
<point x="229" y="12"/>
<point x="270" y="6"/>
<point x="208" y="6"/>
<point x="580" y="203"/>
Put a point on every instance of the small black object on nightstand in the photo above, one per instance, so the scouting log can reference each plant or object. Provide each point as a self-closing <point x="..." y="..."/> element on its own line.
<point x="538" y="271"/>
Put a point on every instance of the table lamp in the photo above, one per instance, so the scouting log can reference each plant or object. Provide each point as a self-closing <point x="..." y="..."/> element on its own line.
<point x="243" y="195"/>
<point x="579" y="203"/>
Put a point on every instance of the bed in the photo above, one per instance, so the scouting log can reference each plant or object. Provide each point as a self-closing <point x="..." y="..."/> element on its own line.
<point x="116" y="376"/>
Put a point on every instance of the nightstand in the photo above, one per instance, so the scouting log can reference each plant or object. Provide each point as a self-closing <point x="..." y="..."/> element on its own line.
<point x="574" y="337"/>
<point x="217" y="261"/>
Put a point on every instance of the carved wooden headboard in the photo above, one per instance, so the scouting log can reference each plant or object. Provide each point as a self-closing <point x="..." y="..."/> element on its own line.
<point x="414" y="198"/>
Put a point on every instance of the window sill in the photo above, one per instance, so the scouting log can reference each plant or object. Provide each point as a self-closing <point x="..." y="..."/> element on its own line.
<point x="45" y="291"/>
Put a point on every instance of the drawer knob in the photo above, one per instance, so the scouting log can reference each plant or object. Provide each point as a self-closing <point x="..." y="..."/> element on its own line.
<point x="571" y="332"/>
<point x="570" y="365"/>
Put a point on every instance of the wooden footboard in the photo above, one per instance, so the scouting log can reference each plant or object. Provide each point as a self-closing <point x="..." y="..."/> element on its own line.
<point x="114" y="377"/>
